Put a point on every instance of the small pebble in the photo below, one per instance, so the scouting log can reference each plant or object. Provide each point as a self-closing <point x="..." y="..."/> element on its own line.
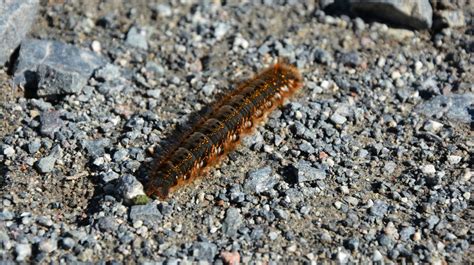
<point x="428" y="169"/>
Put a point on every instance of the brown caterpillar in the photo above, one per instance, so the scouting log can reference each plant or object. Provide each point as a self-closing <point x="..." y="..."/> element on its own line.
<point x="235" y="115"/>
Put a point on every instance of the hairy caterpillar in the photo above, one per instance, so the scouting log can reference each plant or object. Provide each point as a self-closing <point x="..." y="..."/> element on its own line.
<point x="235" y="115"/>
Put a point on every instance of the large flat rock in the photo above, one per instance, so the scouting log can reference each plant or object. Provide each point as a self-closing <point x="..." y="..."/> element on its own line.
<point x="16" y="18"/>
<point x="54" y="68"/>
<point x="417" y="14"/>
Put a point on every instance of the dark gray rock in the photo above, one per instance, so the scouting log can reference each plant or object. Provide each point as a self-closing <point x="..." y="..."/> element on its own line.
<point x="204" y="251"/>
<point x="351" y="59"/>
<point x="53" y="67"/>
<point x="412" y="13"/>
<point x="96" y="148"/>
<point x="352" y="243"/>
<point x="321" y="56"/>
<point x="146" y="212"/>
<point x="457" y="107"/>
<point x="232" y="222"/>
<point x="304" y="171"/>
<point x="16" y="18"/>
<point x="50" y="122"/>
<point x="260" y="180"/>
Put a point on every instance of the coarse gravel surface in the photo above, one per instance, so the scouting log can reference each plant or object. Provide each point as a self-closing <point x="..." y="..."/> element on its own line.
<point x="370" y="162"/>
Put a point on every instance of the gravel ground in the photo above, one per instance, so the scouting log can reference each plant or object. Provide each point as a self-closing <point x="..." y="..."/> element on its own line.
<point x="370" y="162"/>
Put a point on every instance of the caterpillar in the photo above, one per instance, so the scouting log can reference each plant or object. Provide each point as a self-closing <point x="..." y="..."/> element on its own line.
<point x="230" y="118"/>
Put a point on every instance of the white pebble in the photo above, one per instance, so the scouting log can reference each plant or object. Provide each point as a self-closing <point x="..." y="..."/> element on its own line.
<point x="96" y="46"/>
<point x="325" y="84"/>
<point x="454" y="159"/>
<point x="22" y="251"/>
<point x="381" y="62"/>
<point x="432" y="126"/>
<point x="418" y="66"/>
<point x="395" y="74"/>
<point x="298" y="115"/>
<point x="9" y="151"/>
<point x="428" y="169"/>
<point x="466" y="195"/>
<point x="345" y="189"/>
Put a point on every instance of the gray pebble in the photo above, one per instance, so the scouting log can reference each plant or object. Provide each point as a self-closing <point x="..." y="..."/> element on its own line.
<point x="362" y="153"/>
<point x="306" y="147"/>
<point x="8" y="151"/>
<point x="6" y="215"/>
<point x="163" y="10"/>
<point x="281" y="214"/>
<point x="232" y="222"/>
<point x="377" y="256"/>
<point x="304" y="171"/>
<point x="22" y="251"/>
<point x="130" y="187"/>
<point x="389" y="167"/>
<point x="137" y="38"/>
<point x="351" y="59"/>
<point x="50" y="122"/>
<point x="432" y="221"/>
<point x="34" y="146"/>
<point x="46" y="164"/>
<point x="385" y="241"/>
<point x="108" y="73"/>
<point x="407" y="232"/>
<point x="148" y="212"/>
<point x="208" y="89"/>
<point x="154" y="93"/>
<point x="204" y="251"/>
<point x="273" y="235"/>
<point x="96" y="148"/>
<point x="67" y="243"/>
<point x="260" y="180"/>
<point x="352" y="244"/>
<point x="48" y="245"/>
<point x="220" y="30"/>
<point x="321" y="56"/>
<point x="378" y="209"/>
<point x="44" y="221"/>
<point x="338" y="119"/>
<point x="120" y="155"/>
